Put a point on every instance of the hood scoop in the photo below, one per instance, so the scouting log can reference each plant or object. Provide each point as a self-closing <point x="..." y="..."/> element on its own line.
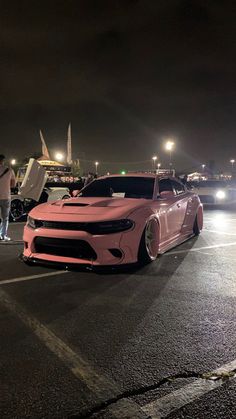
<point x="75" y="204"/>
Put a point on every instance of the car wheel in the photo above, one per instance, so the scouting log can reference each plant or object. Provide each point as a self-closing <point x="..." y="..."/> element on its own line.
<point x="196" y="229"/>
<point x="17" y="210"/>
<point x="66" y="197"/>
<point x="149" y="245"/>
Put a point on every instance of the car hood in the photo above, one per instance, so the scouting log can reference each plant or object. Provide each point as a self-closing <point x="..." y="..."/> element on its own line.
<point x="88" y="209"/>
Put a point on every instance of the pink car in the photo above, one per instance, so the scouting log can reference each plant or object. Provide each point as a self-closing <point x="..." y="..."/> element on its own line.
<point x="114" y="220"/>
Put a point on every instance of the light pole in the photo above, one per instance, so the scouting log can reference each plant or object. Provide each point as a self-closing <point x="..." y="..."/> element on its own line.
<point x="96" y="167"/>
<point x="158" y="167"/>
<point x="154" y="159"/>
<point x="169" y="146"/>
<point x="203" y="167"/>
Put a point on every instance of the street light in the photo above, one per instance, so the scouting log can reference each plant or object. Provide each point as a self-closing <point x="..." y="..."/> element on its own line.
<point x="154" y="159"/>
<point x="59" y="156"/>
<point x="158" y="166"/>
<point x="169" y="147"/>
<point x="203" y="167"/>
<point x="232" y="161"/>
<point x="13" y="162"/>
<point x="96" y="166"/>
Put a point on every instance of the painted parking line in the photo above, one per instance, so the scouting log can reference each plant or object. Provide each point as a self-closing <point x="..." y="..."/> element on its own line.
<point x="219" y="232"/>
<point x="17" y="223"/>
<point x="214" y="219"/>
<point x="196" y="249"/>
<point x="164" y="406"/>
<point x="101" y="386"/>
<point x="10" y="243"/>
<point x="30" y="277"/>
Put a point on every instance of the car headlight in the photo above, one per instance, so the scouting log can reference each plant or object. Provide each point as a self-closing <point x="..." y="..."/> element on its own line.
<point x="220" y="195"/>
<point x="32" y="223"/>
<point x="109" y="227"/>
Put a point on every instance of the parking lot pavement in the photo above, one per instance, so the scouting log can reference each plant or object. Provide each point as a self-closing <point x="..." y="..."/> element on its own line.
<point x="122" y="344"/>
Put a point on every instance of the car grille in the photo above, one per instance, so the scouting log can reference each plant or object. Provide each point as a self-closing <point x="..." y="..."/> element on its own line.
<point x="207" y="199"/>
<point x="64" y="247"/>
<point x="62" y="225"/>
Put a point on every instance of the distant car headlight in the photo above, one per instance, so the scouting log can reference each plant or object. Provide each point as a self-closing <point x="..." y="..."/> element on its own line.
<point x="110" y="227"/>
<point x="220" y="195"/>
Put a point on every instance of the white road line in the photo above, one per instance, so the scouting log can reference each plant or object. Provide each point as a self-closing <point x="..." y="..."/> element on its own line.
<point x="98" y="384"/>
<point x="164" y="406"/>
<point x="213" y="220"/>
<point x="11" y="243"/>
<point x="205" y="253"/>
<point x="196" y="249"/>
<point x="17" y="223"/>
<point x="75" y="362"/>
<point x="219" y="232"/>
<point x="28" y="278"/>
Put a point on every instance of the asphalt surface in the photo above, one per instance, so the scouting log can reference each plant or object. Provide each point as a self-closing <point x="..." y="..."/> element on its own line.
<point x="135" y="344"/>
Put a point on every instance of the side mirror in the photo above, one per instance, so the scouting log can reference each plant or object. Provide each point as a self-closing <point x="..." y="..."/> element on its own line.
<point x="166" y="194"/>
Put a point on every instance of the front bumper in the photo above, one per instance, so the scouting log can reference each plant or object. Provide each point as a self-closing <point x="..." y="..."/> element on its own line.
<point x="126" y="245"/>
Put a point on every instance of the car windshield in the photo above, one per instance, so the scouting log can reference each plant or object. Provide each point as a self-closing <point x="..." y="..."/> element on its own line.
<point x="124" y="187"/>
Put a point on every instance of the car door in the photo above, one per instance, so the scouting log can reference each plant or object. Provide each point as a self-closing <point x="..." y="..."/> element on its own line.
<point x="169" y="209"/>
<point x="182" y="198"/>
<point x="34" y="181"/>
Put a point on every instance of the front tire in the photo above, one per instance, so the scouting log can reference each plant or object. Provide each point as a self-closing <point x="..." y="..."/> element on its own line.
<point x="149" y="244"/>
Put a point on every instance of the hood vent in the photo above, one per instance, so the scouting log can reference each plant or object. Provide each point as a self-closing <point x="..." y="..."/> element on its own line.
<point x="74" y="204"/>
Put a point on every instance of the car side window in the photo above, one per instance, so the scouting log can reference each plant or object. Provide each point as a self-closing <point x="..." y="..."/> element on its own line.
<point x="165" y="185"/>
<point x="178" y="187"/>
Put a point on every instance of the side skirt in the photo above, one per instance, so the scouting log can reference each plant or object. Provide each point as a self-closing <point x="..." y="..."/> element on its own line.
<point x="175" y="242"/>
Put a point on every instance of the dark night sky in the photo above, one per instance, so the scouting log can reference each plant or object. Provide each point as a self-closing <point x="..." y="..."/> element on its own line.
<point x="125" y="73"/>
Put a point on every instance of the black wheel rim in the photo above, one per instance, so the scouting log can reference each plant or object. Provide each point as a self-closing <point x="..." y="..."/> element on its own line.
<point x="17" y="209"/>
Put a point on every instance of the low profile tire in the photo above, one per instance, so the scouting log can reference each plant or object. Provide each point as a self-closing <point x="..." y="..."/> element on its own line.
<point x="66" y="197"/>
<point x="196" y="229"/>
<point x="148" y="248"/>
<point x="17" y="210"/>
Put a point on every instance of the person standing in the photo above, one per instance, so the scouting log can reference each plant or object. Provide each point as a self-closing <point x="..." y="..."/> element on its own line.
<point x="7" y="181"/>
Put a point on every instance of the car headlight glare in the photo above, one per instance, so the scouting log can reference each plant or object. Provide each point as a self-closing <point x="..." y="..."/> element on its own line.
<point x="110" y="227"/>
<point x="220" y="195"/>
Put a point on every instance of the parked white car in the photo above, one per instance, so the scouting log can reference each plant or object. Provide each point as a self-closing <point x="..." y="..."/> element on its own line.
<point x="33" y="191"/>
<point x="215" y="192"/>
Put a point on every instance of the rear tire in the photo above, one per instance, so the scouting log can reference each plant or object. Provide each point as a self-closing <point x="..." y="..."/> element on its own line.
<point x="196" y="229"/>
<point x="148" y="248"/>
